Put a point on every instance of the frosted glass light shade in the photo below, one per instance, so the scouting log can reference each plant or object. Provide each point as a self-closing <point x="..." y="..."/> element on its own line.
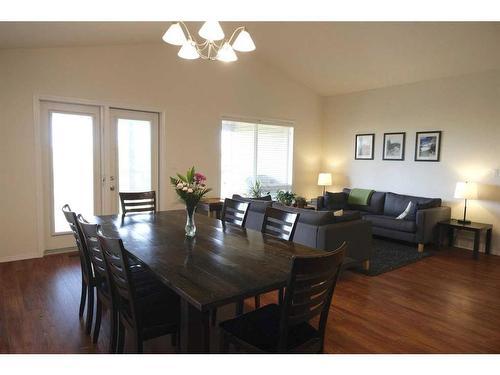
<point x="174" y="35"/>
<point x="226" y="53"/>
<point x="325" y="179"/>
<point x="211" y="30"/>
<point x="188" y="51"/>
<point x="466" y="190"/>
<point x="244" y="42"/>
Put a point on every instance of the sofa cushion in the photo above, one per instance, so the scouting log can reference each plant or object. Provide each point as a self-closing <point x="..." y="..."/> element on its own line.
<point x="335" y="201"/>
<point x="375" y="206"/>
<point x="319" y="218"/>
<point x="256" y="205"/>
<point x="387" y="222"/>
<point x="395" y="204"/>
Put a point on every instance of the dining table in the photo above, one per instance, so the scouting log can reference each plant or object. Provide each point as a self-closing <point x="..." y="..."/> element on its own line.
<point x="222" y="264"/>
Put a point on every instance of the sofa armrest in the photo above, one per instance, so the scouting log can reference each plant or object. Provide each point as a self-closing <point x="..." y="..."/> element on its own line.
<point x="427" y="220"/>
<point x="356" y="233"/>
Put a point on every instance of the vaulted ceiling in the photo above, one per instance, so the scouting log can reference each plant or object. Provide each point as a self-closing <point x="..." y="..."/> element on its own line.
<point x="329" y="57"/>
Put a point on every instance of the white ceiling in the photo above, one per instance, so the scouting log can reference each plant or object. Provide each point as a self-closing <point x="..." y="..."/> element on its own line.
<point x="329" y="57"/>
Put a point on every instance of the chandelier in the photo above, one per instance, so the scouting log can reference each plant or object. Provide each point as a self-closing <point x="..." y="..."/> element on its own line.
<point x="214" y="46"/>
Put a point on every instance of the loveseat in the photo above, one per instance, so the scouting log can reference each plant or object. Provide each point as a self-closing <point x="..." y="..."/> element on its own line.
<point x="320" y="230"/>
<point x="419" y="226"/>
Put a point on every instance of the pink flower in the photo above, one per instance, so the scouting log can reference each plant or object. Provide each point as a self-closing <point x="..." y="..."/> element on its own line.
<point x="199" y="178"/>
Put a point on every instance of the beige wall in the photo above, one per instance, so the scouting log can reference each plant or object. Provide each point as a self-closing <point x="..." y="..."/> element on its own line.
<point x="466" y="109"/>
<point x="193" y="94"/>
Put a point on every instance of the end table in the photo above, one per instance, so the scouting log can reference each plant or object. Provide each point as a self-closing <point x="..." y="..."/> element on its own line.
<point x="212" y="206"/>
<point x="477" y="228"/>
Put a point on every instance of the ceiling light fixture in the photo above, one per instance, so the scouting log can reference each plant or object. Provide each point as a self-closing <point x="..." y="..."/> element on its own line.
<point x="214" y="47"/>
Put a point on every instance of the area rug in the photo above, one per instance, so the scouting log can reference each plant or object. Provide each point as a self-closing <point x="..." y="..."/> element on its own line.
<point x="389" y="255"/>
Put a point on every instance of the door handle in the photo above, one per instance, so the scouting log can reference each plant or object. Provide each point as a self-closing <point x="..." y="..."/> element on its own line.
<point x="112" y="188"/>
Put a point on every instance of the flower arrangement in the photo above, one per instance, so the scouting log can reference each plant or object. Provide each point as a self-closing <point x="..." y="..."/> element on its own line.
<point x="190" y="188"/>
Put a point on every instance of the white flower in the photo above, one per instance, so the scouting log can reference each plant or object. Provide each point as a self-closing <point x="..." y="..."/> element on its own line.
<point x="189" y="190"/>
<point x="184" y="188"/>
<point x="179" y="185"/>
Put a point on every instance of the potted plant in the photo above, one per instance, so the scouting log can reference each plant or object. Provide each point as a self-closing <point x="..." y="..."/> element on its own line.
<point x="190" y="189"/>
<point x="256" y="190"/>
<point x="285" y="197"/>
<point x="300" y="202"/>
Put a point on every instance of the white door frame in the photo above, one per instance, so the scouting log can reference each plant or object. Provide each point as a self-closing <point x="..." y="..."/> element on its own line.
<point x="104" y="120"/>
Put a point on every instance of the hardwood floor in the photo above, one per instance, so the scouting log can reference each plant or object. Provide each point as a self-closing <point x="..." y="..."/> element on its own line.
<point x="447" y="303"/>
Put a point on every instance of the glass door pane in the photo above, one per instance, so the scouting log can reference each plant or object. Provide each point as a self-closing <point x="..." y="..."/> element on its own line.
<point x="72" y="166"/>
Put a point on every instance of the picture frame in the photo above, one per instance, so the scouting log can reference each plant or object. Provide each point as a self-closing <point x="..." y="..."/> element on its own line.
<point x="394" y="146"/>
<point x="364" y="146"/>
<point x="428" y="146"/>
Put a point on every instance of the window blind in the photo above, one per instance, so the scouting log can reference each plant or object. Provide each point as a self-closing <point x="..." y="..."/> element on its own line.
<point x="255" y="151"/>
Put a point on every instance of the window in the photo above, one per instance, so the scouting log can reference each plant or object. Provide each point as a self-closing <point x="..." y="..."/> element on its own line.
<point x="255" y="151"/>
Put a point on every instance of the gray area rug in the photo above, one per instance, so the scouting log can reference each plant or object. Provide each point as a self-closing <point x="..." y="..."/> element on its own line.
<point x="389" y="255"/>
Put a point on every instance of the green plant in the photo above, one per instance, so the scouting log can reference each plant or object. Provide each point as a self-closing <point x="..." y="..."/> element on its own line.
<point x="255" y="190"/>
<point x="285" y="197"/>
<point x="300" y="202"/>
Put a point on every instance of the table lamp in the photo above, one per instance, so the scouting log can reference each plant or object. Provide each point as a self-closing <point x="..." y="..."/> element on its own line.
<point x="465" y="190"/>
<point x="324" y="179"/>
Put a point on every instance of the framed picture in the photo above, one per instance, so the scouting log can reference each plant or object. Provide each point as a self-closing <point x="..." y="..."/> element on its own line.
<point x="364" y="146"/>
<point x="428" y="146"/>
<point x="394" y="146"/>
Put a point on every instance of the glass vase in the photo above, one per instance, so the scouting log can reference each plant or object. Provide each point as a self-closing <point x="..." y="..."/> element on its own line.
<point x="190" y="224"/>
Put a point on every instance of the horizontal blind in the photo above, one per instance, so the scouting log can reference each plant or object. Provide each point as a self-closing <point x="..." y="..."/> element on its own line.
<point x="255" y="151"/>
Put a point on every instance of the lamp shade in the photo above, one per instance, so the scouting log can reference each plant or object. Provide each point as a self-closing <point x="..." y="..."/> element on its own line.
<point x="244" y="42"/>
<point x="324" y="179"/>
<point x="226" y="53"/>
<point x="188" y="51"/>
<point x="174" y="35"/>
<point x="466" y="190"/>
<point x="211" y="30"/>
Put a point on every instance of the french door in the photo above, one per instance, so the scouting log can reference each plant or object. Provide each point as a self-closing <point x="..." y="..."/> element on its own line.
<point x="90" y="153"/>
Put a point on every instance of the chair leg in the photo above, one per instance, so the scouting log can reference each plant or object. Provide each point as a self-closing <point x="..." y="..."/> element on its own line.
<point x="139" y="344"/>
<point x="173" y="339"/>
<point x="223" y="343"/>
<point x="280" y="295"/>
<point x="83" y="298"/>
<point x="98" y="317"/>
<point x="257" y="301"/>
<point x="90" y="309"/>
<point x="240" y="307"/>
<point x="214" y="317"/>
<point x="114" y="331"/>
<point x="121" y="337"/>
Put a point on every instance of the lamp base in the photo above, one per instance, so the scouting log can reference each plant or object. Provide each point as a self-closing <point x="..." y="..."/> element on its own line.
<point x="464" y="222"/>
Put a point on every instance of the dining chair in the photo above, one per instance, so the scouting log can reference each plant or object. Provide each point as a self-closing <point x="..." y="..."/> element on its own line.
<point x="286" y="328"/>
<point x="235" y="213"/>
<point x="88" y="277"/>
<point x="281" y="224"/>
<point x="146" y="308"/>
<point x="138" y="202"/>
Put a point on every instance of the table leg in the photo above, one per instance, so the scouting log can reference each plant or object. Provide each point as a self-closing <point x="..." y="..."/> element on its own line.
<point x="450" y="237"/>
<point x="477" y="236"/>
<point x="487" y="246"/>
<point x="195" y="333"/>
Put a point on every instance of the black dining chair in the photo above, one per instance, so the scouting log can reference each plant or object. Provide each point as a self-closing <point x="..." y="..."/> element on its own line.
<point x="281" y="224"/>
<point x="88" y="278"/>
<point x="138" y="202"/>
<point x="146" y="308"/>
<point x="235" y="213"/>
<point x="286" y="328"/>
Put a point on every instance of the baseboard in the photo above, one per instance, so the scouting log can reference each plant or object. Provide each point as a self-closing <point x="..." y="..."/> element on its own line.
<point x="13" y="258"/>
<point x="60" y="251"/>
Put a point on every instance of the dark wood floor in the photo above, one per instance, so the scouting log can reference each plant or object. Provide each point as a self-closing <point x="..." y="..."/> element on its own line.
<point x="447" y="303"/>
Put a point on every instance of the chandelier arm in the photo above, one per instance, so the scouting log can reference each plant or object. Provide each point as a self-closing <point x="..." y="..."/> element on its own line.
<point x="230" y="40"/>
<point x="186" y="30"/>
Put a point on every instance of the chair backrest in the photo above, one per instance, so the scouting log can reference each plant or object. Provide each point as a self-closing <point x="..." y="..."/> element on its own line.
<point x="235" y="212"/>
<point x="279" y="223"/>
<point x="118" y="267"/>
<point x="138" y="202"/>
<point x="310" y="290"/>
<point x="70" y="216"/>
<point x="89" y="231"/>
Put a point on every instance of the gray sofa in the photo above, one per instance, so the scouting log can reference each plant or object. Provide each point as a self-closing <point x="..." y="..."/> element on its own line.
<point x="420" y="226"/>
<point x="320" y="230"/>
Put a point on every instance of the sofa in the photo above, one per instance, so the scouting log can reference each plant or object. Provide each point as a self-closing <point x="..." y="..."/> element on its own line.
<point x="320" y="230"/>
<point x="419" y="226"/>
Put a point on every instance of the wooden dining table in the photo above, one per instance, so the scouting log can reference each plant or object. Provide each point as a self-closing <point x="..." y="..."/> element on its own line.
<point x="219" y="266"/>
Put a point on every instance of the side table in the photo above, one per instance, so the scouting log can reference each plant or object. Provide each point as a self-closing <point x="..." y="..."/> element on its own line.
<point x="212" y="206"/>
<point x="477" y="228"/>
